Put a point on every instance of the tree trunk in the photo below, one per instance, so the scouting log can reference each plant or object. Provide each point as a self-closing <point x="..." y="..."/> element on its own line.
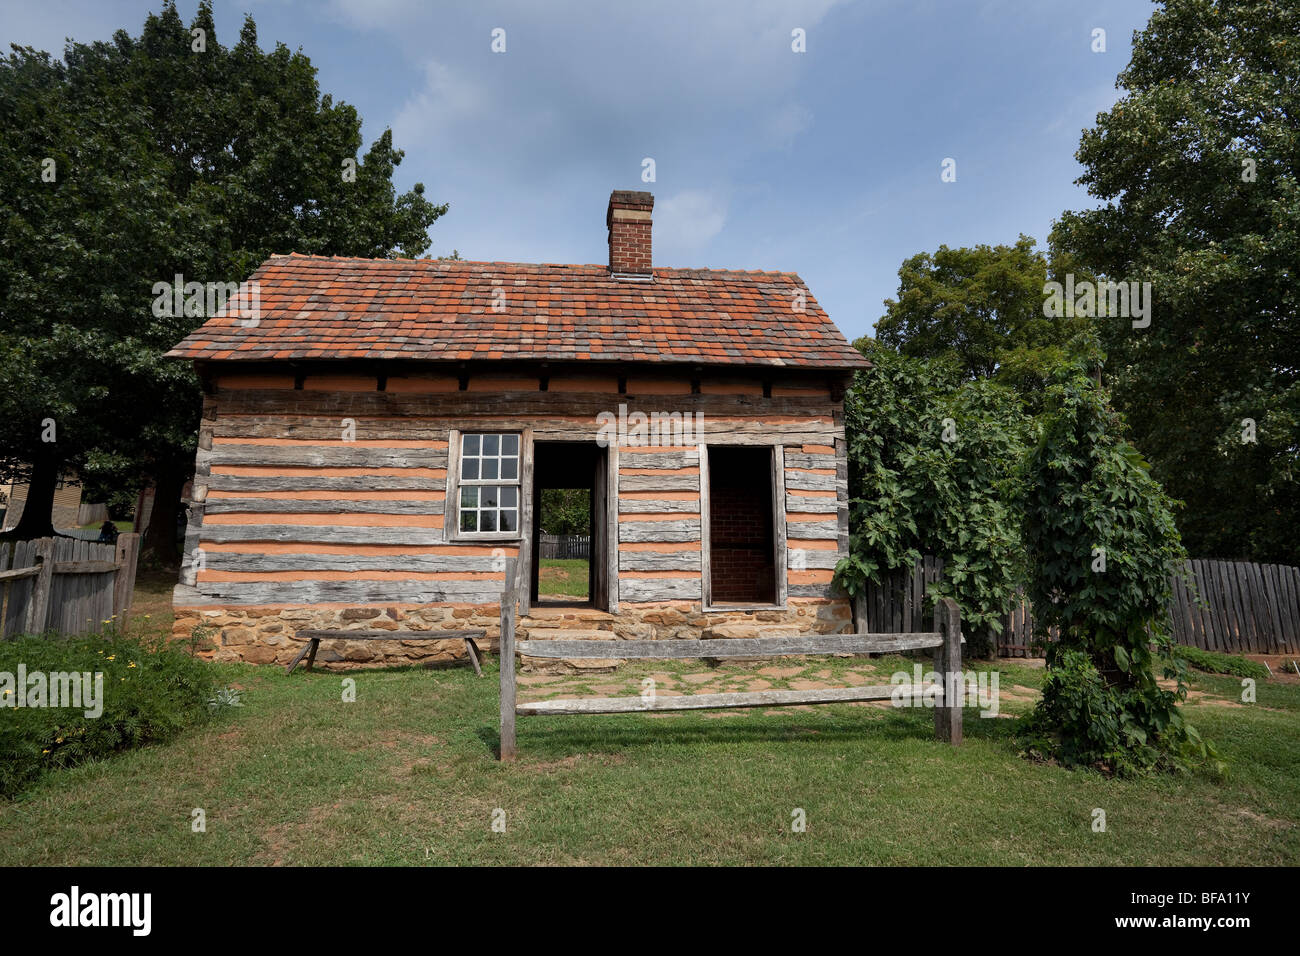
<point x="159" y="541"/>
<point x="1111" y="674"/>
<point x="37" y="519"/>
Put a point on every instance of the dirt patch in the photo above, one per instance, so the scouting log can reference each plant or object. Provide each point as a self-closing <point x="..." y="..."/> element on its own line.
<point x="568" y="763"/>
<point x="1018" y="693"/>
<point x="281" y="836"/>
<point x="1256" y="818"/>
<point x="780" y="671"/>
<point x="1282" y="666"/>
<point x="1210" y="700"/>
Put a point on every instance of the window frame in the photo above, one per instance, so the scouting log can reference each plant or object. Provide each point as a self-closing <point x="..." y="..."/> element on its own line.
<point x="451" y="508"/>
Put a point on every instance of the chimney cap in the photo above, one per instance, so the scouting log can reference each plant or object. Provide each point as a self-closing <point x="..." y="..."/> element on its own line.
<point x="631" y="197"/>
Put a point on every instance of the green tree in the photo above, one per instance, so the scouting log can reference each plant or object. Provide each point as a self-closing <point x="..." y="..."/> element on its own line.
<point x="1101" y="547"/>
<point x="169" y="156"/>
<point x="1198" y="167"/>
<point x="933" y="459"/>
<point x="566" y="511"/>
<point x="979" y="311"/>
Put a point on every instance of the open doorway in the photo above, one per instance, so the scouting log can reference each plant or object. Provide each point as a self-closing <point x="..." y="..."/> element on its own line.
<point x="569" y="527"/>
<point x="742" y="546"/>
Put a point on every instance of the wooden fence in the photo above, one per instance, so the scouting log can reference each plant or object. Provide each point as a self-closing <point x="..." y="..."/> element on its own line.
<point x="65" y="584"/>
<point x="564" y="546"/>
<point x="945" y="694"/>
<point x="1016" y="638"/>
<point x="898" y="603"/>
<point x="1234" y="607"/>
<point x="1243" y="608"/>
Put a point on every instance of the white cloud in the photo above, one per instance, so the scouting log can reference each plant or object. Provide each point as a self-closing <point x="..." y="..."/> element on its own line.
<point x="687" y="221"/>
<point x="446" y="99"/>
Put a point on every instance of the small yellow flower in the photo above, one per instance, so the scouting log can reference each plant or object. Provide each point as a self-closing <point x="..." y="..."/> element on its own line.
<point x="58" y="740"/>
<point x="112" y="657"/>
<point x="44" y="751"/>
<point x="129" y="666"/>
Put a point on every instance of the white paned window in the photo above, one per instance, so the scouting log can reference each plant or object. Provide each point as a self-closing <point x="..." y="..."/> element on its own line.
<point x="489" y="484"/>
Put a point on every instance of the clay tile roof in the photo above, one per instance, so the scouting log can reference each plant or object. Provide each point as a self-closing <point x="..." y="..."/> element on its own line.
<point x="428" y="309"/>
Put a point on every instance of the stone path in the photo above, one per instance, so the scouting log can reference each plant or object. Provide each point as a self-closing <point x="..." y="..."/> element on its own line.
<point x="699" y="678"/>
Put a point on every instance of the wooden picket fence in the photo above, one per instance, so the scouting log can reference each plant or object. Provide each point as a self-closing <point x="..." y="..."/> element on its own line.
<point x="1235" y="607"/>
<point x="1017" y="636"/>
<point x="898" y="602"/>
<point x="65" y="584"/>
<point x="1243" y="607"/>
<point x="564" y="546"/>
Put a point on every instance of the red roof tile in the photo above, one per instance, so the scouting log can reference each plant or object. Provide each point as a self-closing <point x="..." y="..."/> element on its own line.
<point x="439" y="310"/>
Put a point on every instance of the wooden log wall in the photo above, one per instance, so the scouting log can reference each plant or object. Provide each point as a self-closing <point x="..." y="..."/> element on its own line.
<point x="335" y="491"/>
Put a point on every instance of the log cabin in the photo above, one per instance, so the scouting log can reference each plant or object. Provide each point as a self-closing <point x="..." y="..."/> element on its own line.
<point x="377" y="440"/>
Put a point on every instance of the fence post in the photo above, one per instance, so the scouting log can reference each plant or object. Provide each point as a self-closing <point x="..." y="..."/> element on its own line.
<point x="947" y="714"/>
<point x="38" y="610"/>
<point x="524" y="585"/>
<point x="128" y="553"/>
<point x="859" y="604"/>
<point x="507" y="651"/>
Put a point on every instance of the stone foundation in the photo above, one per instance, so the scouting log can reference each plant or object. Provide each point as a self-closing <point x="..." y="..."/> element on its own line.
<point x="268" y="635"/>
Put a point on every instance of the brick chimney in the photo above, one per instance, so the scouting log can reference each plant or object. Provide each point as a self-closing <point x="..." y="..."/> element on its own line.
<point x="628" y="221"/>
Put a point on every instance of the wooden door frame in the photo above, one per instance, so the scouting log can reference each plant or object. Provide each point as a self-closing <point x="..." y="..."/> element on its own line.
<point x="607" y="599"/>
<point x="779" y="546"/>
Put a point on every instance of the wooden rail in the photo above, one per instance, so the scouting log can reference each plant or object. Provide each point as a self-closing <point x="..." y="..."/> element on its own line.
<point x="739" y="647"/>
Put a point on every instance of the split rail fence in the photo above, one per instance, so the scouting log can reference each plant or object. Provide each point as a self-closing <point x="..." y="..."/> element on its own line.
<point x="946" y="641"/>
<point x="65" y="584"/>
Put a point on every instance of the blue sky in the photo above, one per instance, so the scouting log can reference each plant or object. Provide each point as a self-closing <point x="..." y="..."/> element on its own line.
<point x="826" y="163"/>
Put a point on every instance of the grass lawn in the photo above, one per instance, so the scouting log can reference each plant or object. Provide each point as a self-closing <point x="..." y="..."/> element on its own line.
<point x="151" y="601"/>
<point x="407" y="774"/>
<point x="562" y="577"/>
<point x="122" y="526"/>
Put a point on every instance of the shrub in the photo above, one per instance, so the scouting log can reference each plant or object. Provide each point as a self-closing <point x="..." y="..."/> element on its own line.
<point x="150" y="692"/>
<point x="1214" y="663"/>
<point x="1083" y="721"/>
<point x="1101" y="545"/>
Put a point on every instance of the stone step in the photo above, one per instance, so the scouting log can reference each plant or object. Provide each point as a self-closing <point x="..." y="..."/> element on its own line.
<point x="746" y="631"/>
<point x="542" y="616"/>
<point x="526" y="633"/>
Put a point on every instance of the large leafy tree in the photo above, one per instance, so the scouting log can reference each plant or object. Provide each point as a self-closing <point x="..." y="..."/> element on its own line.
<point x="123" y="165"/>
<point x="566" y="511"/>
<point x="980" y="311"/>
<point x="1198" y="167"/>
